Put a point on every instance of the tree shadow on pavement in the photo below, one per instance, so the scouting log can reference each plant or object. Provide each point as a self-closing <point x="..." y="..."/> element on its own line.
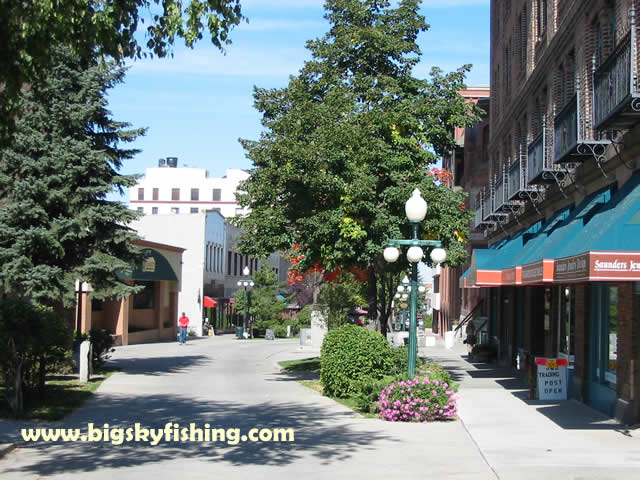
<point x="317" y="434"/>
<point x="158" y="365"/>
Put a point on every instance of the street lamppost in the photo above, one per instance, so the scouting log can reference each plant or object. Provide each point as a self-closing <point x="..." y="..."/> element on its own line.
<point x="416" y="210"/>
<point x="245" y="284"/>
<point x="403" y="294"/>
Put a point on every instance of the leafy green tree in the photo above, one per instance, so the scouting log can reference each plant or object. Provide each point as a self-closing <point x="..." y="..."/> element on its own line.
<point x="340" y="298"/>
<point x="61" y="162"/>
<point x="28" y="30"/>
<point x="265" y="308"/>
<point x="347" y="141"/>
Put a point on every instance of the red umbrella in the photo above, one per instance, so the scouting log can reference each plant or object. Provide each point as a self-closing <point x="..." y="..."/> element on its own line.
<point x="209" y="302"/>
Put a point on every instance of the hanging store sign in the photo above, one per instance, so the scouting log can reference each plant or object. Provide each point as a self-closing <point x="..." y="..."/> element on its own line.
<point x="538" y="272"/>
<point x="552" y="378"/>
<point x="599" y="266"/>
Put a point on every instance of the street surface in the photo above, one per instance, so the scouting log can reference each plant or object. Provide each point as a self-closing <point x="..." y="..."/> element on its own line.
<point x="229" y="383"/>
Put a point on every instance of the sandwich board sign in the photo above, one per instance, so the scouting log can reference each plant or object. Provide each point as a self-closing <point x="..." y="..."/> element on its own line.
<point x="552" y="378"/>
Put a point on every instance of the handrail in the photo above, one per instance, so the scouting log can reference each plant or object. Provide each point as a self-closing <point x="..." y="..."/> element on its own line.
<point x="469" y="315"/>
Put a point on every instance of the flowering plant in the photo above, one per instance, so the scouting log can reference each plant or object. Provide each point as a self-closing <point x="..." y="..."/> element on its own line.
<point x="417" y="400"/>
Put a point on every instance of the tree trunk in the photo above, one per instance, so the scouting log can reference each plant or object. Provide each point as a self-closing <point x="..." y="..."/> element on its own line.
<point x="42" y="376"/>
<point x="372" y="294"/>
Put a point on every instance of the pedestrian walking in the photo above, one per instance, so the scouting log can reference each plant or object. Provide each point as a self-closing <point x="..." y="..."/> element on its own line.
<point x="183" y="323"/>
<point x="471" y="336"/>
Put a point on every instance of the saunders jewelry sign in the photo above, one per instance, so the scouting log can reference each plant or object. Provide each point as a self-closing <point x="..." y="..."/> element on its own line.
<point x="599" y="266"/>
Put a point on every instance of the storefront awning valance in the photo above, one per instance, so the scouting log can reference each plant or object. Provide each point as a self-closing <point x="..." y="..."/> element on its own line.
<point x="609" y="246"/>
<point x="155" y="267"/>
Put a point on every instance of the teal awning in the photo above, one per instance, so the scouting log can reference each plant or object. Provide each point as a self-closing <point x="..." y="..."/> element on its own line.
<point x="613" y="227"/>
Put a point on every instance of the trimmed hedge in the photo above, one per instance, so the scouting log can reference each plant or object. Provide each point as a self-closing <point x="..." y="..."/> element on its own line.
<point x="351" y="354"/>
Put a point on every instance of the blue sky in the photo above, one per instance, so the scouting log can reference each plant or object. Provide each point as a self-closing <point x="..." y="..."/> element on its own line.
<point x="197" y="104"/>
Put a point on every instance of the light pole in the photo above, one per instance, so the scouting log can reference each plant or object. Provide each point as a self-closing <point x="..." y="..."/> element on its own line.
<point x="245" y="284"/>
<point x="403" y="293"/>
<point x="416" y="210"/>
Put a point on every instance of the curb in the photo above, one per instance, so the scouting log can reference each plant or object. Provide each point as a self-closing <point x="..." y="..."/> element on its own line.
<point x="6" y="448"/>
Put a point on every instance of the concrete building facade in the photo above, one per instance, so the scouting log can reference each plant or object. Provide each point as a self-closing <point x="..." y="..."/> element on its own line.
<point x="170" y="189"/>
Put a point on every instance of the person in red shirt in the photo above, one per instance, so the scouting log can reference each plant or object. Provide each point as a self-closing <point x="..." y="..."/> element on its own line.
<point x="183" y="323"/>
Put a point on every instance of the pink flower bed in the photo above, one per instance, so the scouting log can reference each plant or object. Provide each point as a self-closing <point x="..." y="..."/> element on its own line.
<point x="417" y="400"/>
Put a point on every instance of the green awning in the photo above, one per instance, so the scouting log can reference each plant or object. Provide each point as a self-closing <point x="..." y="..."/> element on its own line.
<point x="154" y="268"/>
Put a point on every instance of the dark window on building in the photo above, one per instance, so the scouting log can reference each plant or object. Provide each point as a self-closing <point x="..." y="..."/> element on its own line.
<point x="195" y="194"/>
<point x="217" y="194"/>
<point x="542" y="16"/>
<point x="141" y="194"/>
<point x="156" y="194"/>
<point x="229" y="254"/>
<point x="96" y="305"/>
<point x="144" y="299"/>
<point x="140" y="209"/>
<point x="194" y="210"/>
<point x="175" y="210"/>
<point x="235" y="264"/>
<point x="175" y="194"/>
<point x="154" y="210"/>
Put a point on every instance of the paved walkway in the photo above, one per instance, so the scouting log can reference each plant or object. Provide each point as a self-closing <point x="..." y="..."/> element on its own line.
<point x="236" y="384"/>
<point x="522" y="438"/>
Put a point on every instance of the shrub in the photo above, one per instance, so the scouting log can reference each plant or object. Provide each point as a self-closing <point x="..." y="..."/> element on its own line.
<point x="101" y="346"/>
<point x="33" y="341"/>
<point x="421" y="399"/>
<point x="350" y="354"/>
<point x="435" y="371"/>
<point x="368" y="393"/>
<point x="401" y="361"/>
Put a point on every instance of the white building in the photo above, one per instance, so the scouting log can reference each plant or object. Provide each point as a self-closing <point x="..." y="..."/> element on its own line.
<point x="211" y="264"/>
<point x="169" y="189"/>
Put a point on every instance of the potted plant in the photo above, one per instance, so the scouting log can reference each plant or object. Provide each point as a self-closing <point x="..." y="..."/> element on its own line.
<point x="484" y="352"/>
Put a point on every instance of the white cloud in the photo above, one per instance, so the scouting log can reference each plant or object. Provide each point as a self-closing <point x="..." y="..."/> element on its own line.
<point x="266" y="62"/>
<point x="281" y="24"/>
<point x="454" y="3"/>
<point x="282" y="4"/>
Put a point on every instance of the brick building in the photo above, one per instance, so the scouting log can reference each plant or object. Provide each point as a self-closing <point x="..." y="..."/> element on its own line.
<point x="561" y="209"/>
<point x="468" y="164"/>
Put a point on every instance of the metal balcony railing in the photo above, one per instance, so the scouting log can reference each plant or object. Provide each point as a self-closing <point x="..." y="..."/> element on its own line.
<point x="616" y="99"/>
<point x="571" y="141"/>
<point x="540" y="170"/>
<point x="565" y="130"/>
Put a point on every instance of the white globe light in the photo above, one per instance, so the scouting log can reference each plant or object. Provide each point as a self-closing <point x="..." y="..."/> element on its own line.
<point x="397" y="295"/>
<point x="400" y="288"/>
<point x="415" y="254"/>
<point x="239" y="284"/>
<point x="421" y="289"/>
<point x="404" y="295"/>
<point x="391" y="254"/>
<point x="251" y="284"/>
<point x="438" y="255"/>
<point x="416" y="207"/>
<point x="245" y="271"/>
<point x="405" y="279"/>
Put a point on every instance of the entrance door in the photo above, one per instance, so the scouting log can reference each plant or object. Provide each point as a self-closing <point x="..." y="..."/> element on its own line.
<point x="603" y="347"/>
<point x="493" y="318"/>
<point x="504" y="326"/>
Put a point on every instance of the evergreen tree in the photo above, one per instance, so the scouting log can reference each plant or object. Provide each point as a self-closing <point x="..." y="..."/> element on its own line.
<point x="347" y="141"/>
<point x="60" y="163"/>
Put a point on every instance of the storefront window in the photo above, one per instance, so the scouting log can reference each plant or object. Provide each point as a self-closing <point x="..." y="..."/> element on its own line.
<point x="566" y="321"/>
<point x="144" y="299"/>
<point x="612" y="344"/>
